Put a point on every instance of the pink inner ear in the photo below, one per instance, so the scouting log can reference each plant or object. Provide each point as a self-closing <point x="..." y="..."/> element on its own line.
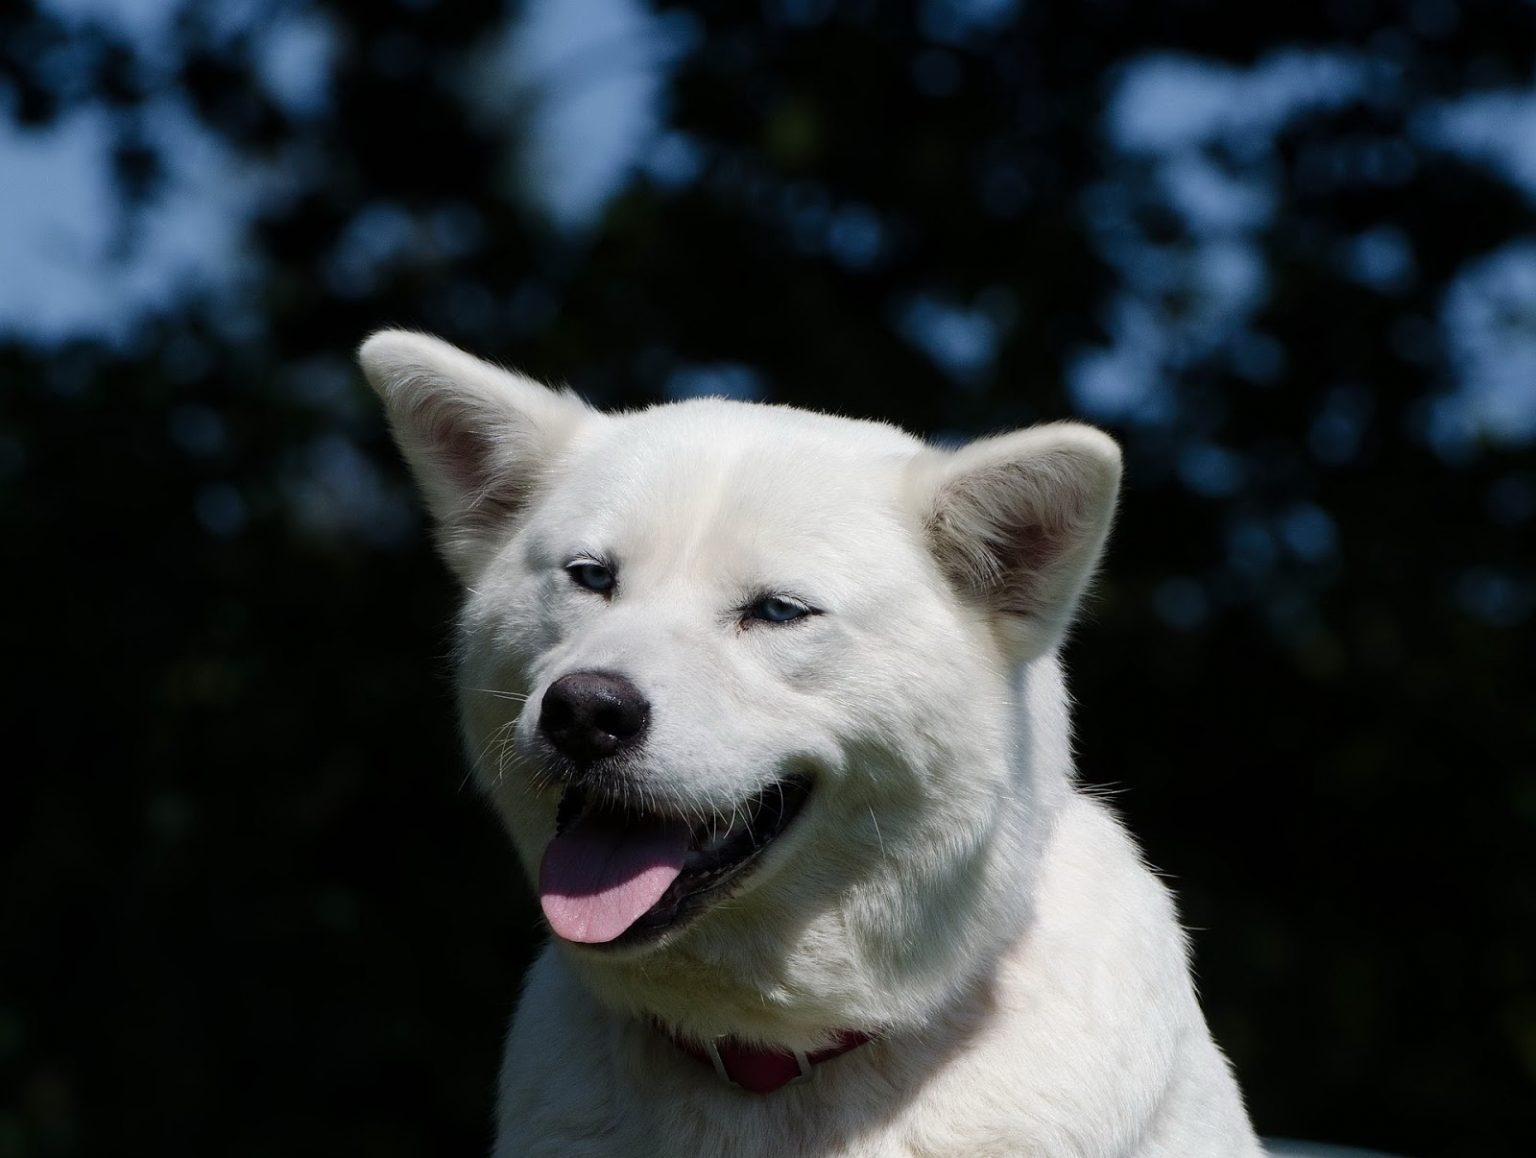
<point x="1022" y="554"/>
<point x="481" y="486"/>
<point x="999" y="536"/>
<point x="464" y="456"/>
<point x="1031" y="546"/>
<point x="452" y="437"/>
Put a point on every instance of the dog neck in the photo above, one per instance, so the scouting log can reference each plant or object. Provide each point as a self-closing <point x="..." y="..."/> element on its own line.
<point x="762" y="1069"/>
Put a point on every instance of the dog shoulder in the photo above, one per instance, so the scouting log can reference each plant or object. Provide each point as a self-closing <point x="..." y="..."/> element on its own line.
<point x="555" y="1085"/>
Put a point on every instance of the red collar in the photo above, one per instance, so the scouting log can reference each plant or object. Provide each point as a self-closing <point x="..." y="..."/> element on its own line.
<point x="760" y="1069"/>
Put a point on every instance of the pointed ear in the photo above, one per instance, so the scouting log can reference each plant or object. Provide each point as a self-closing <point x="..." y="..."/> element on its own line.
<point x="1018" y="521"/>
<point x="476" y="437"/>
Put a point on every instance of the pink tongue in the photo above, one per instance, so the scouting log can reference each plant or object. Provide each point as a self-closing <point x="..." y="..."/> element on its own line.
<point x="598" y="878"/>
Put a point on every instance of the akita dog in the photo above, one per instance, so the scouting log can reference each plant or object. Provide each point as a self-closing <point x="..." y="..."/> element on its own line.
<point x="771" y="705"/>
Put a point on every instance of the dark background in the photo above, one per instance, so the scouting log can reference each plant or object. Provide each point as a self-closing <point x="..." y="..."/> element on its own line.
<point x="1284" y="251"/>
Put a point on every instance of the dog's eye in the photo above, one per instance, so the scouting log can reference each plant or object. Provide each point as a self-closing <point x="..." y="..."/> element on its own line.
<point x="592" y="576"/>
<point x="777" y="609"/>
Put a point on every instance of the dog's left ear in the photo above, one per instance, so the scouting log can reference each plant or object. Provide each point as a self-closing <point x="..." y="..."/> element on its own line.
<point x="1017" y="522"/>
<point x="478" y="439"/>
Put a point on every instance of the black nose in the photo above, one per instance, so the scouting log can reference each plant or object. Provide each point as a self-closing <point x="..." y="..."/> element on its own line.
<point x="591" y="714"/>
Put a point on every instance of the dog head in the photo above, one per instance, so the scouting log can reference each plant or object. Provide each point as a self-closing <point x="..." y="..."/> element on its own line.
<point x="767" y="699"/>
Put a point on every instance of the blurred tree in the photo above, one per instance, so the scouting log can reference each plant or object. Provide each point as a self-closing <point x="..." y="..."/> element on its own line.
<point x="1283" y="251"/>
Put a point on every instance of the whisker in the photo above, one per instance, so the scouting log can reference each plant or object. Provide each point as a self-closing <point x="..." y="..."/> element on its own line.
<point x="501" y="739"/>
<point x="515" y="697"/>
<point x="479" y="757"/>
<point x="878" y="837"/>
<point x="503" y="754"/>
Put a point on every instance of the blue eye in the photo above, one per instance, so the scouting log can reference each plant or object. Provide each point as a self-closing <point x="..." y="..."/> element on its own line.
<point x="592" y="576"/>
<point x="777" y="609"/>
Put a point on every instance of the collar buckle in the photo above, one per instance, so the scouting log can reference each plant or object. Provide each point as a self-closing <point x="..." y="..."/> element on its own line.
<point x="757" y="1070"/>
<point x="712" y="1051"/>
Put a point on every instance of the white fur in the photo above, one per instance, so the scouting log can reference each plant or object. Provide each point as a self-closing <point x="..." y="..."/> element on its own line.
<point x="946" y="887"/>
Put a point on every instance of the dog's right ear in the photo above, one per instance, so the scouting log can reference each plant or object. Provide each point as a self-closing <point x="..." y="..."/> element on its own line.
<point x="476" y="437"/>
<point x="1018" y="522"/>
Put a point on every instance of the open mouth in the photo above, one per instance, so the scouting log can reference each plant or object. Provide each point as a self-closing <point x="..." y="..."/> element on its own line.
<point x="617" y="876"/>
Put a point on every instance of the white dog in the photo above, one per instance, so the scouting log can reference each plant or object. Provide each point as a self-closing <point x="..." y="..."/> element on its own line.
<point x="770" y="703"/>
